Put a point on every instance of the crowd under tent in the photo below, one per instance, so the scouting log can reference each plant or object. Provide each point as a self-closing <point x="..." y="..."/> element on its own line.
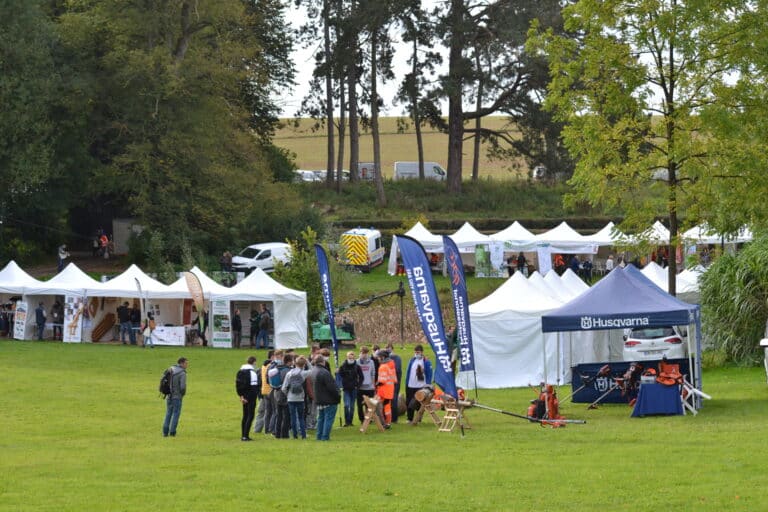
<point x="625" y="298"/>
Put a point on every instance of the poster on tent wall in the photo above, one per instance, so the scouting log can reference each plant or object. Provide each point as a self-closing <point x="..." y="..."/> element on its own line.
<point x="20" y="320"/>
<point x="73" y="319"/>
<point x="221" y="326"/>
<point x="544" y="255"/>
<point x="489" y="260"/>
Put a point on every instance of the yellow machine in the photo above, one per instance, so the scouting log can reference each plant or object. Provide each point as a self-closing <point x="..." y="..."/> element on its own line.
<point x="361" y="248"/>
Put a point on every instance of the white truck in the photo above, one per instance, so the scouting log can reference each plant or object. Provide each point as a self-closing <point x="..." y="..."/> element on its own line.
<point x="263" y="256"/>
<point x="410" y="170"/>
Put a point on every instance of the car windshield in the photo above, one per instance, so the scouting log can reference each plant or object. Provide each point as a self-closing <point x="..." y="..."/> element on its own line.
<point x="652" y="332"/>
<point x="249" y="252"/>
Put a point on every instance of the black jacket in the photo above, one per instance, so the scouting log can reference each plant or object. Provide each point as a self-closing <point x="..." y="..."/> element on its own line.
<point x="351" y="376"/>
<point x="324" y="387"/>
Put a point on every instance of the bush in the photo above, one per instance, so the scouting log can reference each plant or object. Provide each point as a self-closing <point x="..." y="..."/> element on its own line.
<point x="734" y="309"/>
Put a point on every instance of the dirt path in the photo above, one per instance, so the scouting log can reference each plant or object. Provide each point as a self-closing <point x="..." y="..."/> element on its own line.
<point x="85" y="261"/>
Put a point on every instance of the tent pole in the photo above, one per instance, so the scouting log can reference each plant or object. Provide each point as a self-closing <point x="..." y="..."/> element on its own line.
<point x="544" y="353"/>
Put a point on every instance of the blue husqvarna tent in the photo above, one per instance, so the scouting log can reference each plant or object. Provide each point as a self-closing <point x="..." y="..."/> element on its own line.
<point x="623" y="299"/>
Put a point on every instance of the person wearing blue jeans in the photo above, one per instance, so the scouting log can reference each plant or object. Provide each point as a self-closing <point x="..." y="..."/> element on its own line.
<point x="349" y="378"/>
<point x="124" y="317"/>
<point x="326" y="397"/>
<point x="40" y="320"/>
<point x="174" y="400"/>
<point x="293" y="387"/>
<point x="265" y="319"/>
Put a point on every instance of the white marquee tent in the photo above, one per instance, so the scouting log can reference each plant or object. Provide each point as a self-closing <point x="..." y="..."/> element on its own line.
<point x="507" y="338"/>
<point x="290" y="306"/>
<point x="14" y="281"/>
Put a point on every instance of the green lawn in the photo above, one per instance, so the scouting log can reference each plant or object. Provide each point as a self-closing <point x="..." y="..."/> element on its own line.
<point x="81" y="431"/>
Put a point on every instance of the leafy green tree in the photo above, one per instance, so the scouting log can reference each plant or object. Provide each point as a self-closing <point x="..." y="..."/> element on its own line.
<point x="32" y="207"/>
<point x="178" y="115"/>
<point x="631" y="87"/>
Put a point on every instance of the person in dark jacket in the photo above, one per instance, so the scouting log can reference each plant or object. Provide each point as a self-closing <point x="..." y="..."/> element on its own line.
<point x="326" y="397"/>
<point x="247" y="384"/>
<point x="350" y="378"/>
<point x="173" y="401"/>
<point x="237" y="329"/>
<point x="57" y="318"/>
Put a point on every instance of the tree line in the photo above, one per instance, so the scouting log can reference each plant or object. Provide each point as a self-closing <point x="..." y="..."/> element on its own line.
<point x="165" y="111"/>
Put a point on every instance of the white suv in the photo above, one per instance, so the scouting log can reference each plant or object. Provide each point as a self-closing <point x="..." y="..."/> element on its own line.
<point x="263" y="256"/>
<point x="651" y="343"/>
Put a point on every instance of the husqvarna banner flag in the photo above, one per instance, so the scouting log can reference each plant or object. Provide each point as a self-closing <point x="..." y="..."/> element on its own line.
<point x="455" y="271"/>
<point x="428" y="309"/>
<point x="325" y="286"/>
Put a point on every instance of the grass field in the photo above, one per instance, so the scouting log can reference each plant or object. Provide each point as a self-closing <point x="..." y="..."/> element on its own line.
<point x="81" y="431"/>
<point x="310" y="148"/>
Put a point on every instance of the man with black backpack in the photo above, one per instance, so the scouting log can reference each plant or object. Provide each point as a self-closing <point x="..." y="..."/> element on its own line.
<point x="177" y="390"/>
<point x="247" y="384"/>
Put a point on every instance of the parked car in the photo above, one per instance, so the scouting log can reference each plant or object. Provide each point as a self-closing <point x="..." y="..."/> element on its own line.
<point x="651" y="343"/>
<point x="263" y="256"/>
<point x="323" y="174"/>
<point x="303" y="176"/>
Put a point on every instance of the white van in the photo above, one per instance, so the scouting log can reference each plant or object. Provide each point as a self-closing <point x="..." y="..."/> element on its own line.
<point x="362" y="248"/>
<point x="263" y="256"/>
<point x="410" y="170"/>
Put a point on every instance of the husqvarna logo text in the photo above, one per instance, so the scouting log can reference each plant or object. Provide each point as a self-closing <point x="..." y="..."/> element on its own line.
<point x="594" y="322"/>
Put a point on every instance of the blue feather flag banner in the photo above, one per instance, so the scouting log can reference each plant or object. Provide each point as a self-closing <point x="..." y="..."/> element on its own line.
<point x="325" y="286"/>
<point x="460" y="304"/>
<point x="428" y="309"/>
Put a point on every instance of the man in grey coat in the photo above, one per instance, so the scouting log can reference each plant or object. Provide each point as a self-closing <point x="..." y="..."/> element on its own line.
<point x="173" y="401"/>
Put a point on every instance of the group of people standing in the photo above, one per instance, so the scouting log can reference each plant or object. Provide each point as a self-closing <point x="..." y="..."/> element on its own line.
<point x="296" y="393"/>
<point x="56" y="320"/>
<point x="129" y="319"/>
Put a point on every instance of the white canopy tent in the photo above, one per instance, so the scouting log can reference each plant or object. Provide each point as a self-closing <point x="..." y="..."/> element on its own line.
<point x="564" y="239"/>
<point x="467" y="237"/>
<point x="608" y="235"/>
<point x="516" y="238"/>
<point x="430" y="242"/>
<point x="14" y="281"/>
<point x="124" y="286"/>
<point x="290" y="306"/>
<point x="70" y="281"/>
<point x="506" y="333"/>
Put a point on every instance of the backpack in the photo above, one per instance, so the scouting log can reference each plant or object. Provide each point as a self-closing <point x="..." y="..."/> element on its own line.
<point x="276" y="381"/>
<point x="296" y="384"/>
<point x="165" y="382"/>
<point x="242" y="381"/>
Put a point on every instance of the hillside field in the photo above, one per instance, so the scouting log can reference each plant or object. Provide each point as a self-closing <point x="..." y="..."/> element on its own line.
<point x="396" y="145"/>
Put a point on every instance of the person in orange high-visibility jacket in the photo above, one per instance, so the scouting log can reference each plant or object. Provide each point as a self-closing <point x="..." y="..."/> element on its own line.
<point x="385" y="385"/>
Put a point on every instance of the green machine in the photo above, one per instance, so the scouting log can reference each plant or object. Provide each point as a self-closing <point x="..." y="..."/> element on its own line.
<point x="345" y="333"/>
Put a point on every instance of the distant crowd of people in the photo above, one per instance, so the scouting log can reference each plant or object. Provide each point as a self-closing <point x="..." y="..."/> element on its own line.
<point x="289" y="394"/>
